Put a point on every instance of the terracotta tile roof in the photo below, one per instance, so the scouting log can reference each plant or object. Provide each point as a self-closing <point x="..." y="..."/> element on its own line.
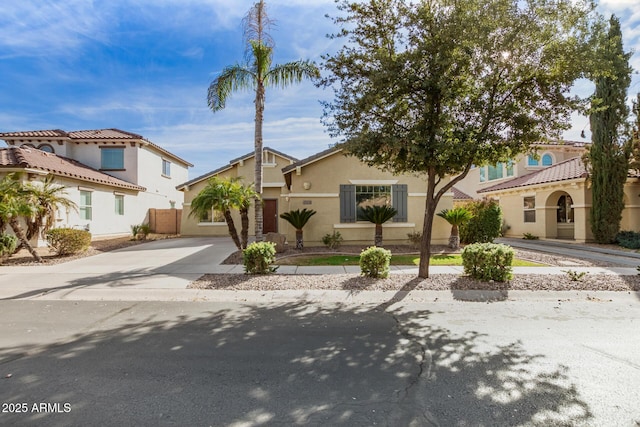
<point x="460" y="195"/>
<point x="16" y="157"/>
<point x="91" y="135"/>
<point x="563" y="171"/>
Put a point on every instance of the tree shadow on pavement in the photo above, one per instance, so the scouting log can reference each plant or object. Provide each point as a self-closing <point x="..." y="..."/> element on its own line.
<point x="288" y="364"/>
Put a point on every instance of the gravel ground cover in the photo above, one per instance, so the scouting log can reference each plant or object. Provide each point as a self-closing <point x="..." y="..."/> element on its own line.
<point x="406" y="282"/>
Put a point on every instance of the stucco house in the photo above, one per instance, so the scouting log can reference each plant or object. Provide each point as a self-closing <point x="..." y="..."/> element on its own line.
<point x="555" y="202"/>
<point x="113" y="176"/>
<point x="242" y="167"/>
<point x="333" y="185"/>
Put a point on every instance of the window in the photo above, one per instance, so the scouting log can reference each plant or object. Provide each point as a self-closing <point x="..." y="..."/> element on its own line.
<point x="547" y="160"/>
<point x="353" y="197"/>
<point x="46" y="147"/>
<point x="85" y="205"/>
<point x="495" y="172"/>
<point x="212" y="216"/>
<point x="373" y="195"/>
<point x="483" y="175"/>
<point x="532" y="161"/>
<point x="119" y="204"/>
<point x="166" y="167"/>
<point x="510" y="168"/>
<point x="112" y="158"/>
<point x="565" y="209"/>
<point x="530" y="209"/>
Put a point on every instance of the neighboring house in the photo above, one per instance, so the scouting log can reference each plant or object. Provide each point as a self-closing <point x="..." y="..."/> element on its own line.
<point x="113" y="176"/>
<point x="547" y="155"/>
<point x="555" y="202"/>
<point x="331" y="184"/>
<point x="242" y="167"/>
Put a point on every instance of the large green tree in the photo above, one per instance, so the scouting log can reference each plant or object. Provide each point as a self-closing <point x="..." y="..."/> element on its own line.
<point x="17" y="202"/>
<point x="257" y="74"/>
<point x="634" y="148"/>
<point x="434" y="87"/>
<point x="609" y="154"/>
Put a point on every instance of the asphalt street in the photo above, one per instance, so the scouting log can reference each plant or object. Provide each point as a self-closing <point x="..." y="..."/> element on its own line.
<point x="535" y="361"/>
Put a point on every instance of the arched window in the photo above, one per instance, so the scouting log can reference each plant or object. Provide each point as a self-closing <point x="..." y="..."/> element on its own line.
<point x="46" y="147"/>
<point x="565" y="209"/>
<point x="547" y="160"/>
<point x="532" y="161"/>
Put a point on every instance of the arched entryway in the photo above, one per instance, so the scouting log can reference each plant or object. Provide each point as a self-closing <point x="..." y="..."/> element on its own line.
<point x="564" y="214"/>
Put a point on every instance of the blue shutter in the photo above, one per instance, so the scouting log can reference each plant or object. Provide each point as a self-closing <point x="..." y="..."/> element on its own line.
<point x="399" y="199"/>
<point x="347" y="203"/>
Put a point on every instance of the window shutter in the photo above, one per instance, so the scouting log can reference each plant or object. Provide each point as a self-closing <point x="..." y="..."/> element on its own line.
<point x="399" y="198"/>
<point x="347" y="203"/>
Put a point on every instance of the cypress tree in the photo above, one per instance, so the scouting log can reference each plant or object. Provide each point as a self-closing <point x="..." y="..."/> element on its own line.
<point x="607" y="156"/>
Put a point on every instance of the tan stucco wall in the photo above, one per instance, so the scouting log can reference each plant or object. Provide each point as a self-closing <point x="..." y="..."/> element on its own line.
<point x="323" y="179"/>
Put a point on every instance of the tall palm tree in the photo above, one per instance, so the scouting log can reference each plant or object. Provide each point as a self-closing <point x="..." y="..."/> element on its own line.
<point x="242" y="197"/>
<point x="257" y="74"/>
<point x="48" y="198"/>
<point x="456" y="217"/>
<point x="298" y="219"/>
<point x="377" y="214"/>
<point x="17" y="202"/>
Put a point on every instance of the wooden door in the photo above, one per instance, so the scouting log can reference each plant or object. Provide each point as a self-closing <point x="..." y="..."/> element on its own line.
<point x="270" y="216"/>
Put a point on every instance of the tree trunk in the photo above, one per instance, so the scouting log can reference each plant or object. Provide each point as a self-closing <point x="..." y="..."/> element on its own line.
<point x="454" y="239"/>
<point x="429" y="214"/>
<point x="258" y="159"/>
<point x="232" y="229"/>
<point x="378" y="237"/>
<point x="14" y="222"/>
<point x="244" y="231"/>
<point x="299" y="242"/>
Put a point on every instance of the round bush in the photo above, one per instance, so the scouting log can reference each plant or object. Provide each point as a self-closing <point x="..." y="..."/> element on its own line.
<point x="486" y="223"/>
<point x="68" y="241"/>
<point x="258" y="258"/>
<point x="374" y="262"/>
<point x="8" y="244"/>
<point x="488" y="261"/>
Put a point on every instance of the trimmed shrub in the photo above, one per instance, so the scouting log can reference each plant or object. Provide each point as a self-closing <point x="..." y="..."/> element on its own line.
<point x="68" y="241"/>
<point x="486" y="223"/>
<point x="258" y="258"/>
<point x="628" y="239"/>
<point x="374" y="262"/>
<point x="415" y="238"/>
<point x="333" y="240"/>
<point x="488" y="261"/>
<point x="8" y="244"/>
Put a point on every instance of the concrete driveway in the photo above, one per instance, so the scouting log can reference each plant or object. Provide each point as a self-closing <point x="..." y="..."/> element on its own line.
<point x="169" y="264"/>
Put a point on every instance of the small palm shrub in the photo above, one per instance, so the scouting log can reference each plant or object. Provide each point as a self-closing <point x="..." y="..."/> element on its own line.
<point x="374" y="262"/>
<point x="333" y="240"/>
<point x="529" y="236"/>
<point x="8" y="244"/>
<point x="298" y="219"/>
<point x="488" y="261"/>
<point x="456" y="217"/>
<point x="68" y="241"/>
<point x="140" y="231"/>
<point x="378" y="215"/>
<point x="258" y="257"/>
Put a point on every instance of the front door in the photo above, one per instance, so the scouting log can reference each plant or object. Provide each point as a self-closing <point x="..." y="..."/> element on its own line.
<point x="270" y="216"/>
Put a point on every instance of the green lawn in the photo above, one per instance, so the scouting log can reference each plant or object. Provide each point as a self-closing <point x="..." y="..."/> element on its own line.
<point x="452" y="259"/>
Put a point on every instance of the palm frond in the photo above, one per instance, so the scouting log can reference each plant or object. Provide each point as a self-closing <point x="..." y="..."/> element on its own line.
<point x="232" y="78"/>
<point x="298" y="218"/>
<point x="292" y="72"/>
<point x="377" y="214"/>
<point x="456" y="216"/>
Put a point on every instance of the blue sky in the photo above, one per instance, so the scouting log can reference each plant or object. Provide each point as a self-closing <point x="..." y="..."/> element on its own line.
<point x="144" y="66"/>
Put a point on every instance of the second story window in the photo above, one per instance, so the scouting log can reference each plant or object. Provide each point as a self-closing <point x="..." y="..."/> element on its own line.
<point x="166" y="167"/>
<point x="112" y="158"/>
